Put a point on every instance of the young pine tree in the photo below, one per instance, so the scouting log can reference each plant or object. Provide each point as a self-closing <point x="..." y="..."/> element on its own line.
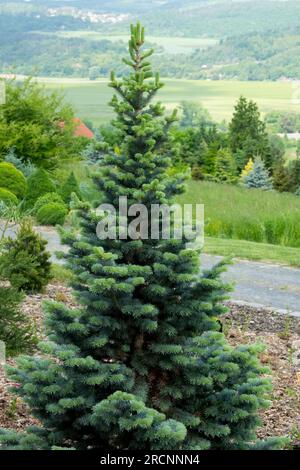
<point x="69" y="187"/>
<point x="24" y="260"/>
<point x="225" y="166"/>
<point x="258" y="177"/>
<point x="16" y="330"/>
<point x="247" y="133"/>
<point x="141" y="363"/>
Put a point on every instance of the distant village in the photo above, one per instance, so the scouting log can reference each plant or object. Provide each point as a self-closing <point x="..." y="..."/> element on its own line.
<point x="88" y="16"/>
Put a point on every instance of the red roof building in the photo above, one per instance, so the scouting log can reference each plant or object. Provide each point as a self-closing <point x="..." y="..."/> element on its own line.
<point x="81" y="130"/>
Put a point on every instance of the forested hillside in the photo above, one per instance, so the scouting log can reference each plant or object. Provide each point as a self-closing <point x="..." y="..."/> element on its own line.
<point x="254" y="40"/>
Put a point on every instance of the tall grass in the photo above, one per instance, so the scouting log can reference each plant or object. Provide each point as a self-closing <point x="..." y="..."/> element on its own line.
<point x="247" y="214"/>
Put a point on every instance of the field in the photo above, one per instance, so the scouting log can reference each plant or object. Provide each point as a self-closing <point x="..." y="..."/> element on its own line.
<point x="91" y="98"/>
<point x="172" y="45"/>
<point x="237" y="213"/>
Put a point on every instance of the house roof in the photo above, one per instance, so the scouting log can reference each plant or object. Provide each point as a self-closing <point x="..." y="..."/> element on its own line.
<point x="81" y="130"/>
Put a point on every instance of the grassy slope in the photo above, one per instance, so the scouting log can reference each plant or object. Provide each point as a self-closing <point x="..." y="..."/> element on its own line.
<point x="253" y="251"/>
<point x="219" y="97"/>
<point x="242" y="214"/>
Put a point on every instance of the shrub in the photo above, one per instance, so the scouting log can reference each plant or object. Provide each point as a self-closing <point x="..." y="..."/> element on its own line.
<point x="16" y="331"/>
<point x="70" y="186"/>
<point x="26" y="168"/>
<point x="38" y="185"/>
<point x="12" y="179"/>
<point x="258" y="177"/>
<point x="25" y="261"/>
<point x="8" y="197"/>
<point x="47" y="199"/>
<point x="52" y="213"/>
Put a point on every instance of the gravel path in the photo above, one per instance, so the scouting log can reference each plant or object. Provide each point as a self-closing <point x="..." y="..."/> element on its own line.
<point x="257" y="283"/>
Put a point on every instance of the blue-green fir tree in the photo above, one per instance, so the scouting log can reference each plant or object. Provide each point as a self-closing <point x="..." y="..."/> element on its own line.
<point x="258" y="176"/>
<point x="141" y="363"/>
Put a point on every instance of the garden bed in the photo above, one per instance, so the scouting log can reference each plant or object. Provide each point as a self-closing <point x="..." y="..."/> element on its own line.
<point x="243" y="324"/>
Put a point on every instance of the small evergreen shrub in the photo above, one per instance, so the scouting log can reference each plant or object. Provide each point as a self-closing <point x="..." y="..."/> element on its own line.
<point x="26" y="168"/>
<point x="258" y="177"/>
<point x="25" y="261"/>
<point x="70" y="186"/>
<point x="52" y="213"/>
<point x="16" y="331"/>
<point x="12" y="179"/>
<point x="38" y="185"/>
<point x="47" y="199"/>
<point x="8" y="197"/>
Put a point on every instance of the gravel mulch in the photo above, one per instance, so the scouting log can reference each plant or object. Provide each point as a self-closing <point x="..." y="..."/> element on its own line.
<point x="242" y="324"/>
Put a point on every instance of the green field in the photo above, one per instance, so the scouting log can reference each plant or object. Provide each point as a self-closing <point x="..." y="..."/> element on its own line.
<point x="172" y="45"/>
<point x="237" y="213"/>
<point x="91" y="98"/>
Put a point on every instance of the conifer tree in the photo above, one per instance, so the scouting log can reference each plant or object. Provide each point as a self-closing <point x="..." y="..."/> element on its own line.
<point x="225" y="166"/>
<point x="247" y="133"/>
<point x="281" y="178"/>
<point x="248" y="168"/>
<point x="24" y="261"/>
<point x="258" y="177"/>
<point x="70" y="186"/>
<point x="141" y="363"/>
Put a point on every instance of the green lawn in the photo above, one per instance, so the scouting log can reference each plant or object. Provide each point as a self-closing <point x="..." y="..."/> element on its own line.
<point x="253" y="251"/>
<point x="91" y="98"/>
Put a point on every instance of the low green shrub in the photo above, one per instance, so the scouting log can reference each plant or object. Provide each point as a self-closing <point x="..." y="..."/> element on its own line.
<point x="8" y="197"/>
<point x="47" y="199"/>
<point x="39" y="184"/>
<point x="16" y="330"/>
<point x="24" y="262"/>
<point x="12" y="179"/>
<point x="52" y="213"/>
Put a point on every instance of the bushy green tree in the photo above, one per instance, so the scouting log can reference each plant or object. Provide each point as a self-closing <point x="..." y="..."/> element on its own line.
<point x="52" y="213"/>
<point x="24" y="260"/>
<point x="38" y="125"/>
<point x="141" y="363"/>
<point x="194" y="115"/>
<point x="7" y="197"/>
<point x="46" y="199"/>
<point x="247" y="133"/>
<point x="12" y="179"/>
<point x="38" y="184"/>
<point x="16" y="330"/>
<point x="258" y="177"/>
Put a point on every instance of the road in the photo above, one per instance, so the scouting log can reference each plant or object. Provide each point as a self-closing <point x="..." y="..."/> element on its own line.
<point x="258" y="283"/>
